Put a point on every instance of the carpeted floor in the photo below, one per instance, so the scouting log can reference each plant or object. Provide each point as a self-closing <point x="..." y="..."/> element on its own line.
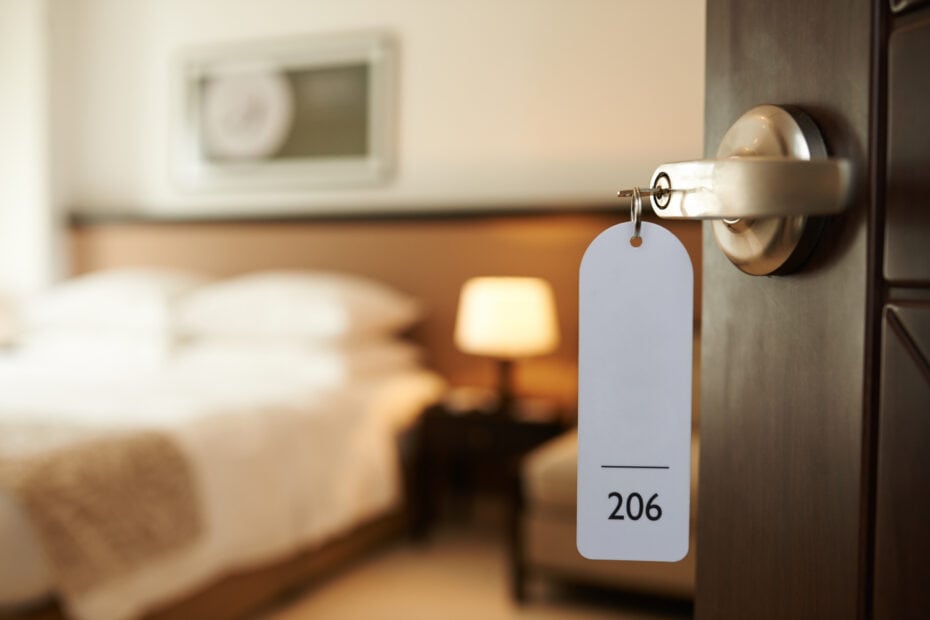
<point x="461" y="573"/>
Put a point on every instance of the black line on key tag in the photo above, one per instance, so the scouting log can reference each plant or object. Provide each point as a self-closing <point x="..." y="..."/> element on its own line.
<point x="635" y="467"/>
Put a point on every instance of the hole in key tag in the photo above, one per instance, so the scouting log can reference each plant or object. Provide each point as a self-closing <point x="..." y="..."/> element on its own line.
<point x="634" y="394"/>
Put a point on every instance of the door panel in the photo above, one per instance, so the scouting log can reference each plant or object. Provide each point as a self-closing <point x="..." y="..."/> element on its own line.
<point x="902" y="536"/>
<point x="907" y="253"/>
<point x="783" y="390"/>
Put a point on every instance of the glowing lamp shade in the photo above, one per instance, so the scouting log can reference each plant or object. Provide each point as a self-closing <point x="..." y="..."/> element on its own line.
<point x="506" y="317"/>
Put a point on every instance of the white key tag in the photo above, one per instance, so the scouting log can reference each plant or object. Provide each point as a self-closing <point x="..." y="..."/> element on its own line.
<point x="634" y="396"/>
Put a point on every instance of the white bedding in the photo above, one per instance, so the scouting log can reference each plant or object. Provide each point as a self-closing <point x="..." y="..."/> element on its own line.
<point x="281" y="460"/>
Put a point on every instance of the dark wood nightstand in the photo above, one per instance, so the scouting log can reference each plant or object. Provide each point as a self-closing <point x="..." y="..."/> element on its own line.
<point x="466" y="452"/>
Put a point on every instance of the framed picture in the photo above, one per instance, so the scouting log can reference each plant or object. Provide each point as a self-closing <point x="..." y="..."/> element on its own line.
<point x="302" y="113"/>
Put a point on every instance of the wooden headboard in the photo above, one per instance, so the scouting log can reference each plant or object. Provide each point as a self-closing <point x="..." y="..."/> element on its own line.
<point x="428" y="257"/>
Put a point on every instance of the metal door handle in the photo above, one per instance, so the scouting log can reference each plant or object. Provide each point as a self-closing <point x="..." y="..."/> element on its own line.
<point x="751" y="187"/>
<point x="771" y="174"/>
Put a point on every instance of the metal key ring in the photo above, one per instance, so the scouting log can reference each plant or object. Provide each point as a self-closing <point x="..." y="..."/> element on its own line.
<point x="636" y="211"/>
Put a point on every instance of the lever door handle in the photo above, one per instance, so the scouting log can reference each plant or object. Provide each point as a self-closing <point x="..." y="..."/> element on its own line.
<point x="771" y="175"/>
<point x="751" y="187"/>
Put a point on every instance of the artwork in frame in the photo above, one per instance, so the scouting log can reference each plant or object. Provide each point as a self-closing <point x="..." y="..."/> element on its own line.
<point x="300" y="113"/>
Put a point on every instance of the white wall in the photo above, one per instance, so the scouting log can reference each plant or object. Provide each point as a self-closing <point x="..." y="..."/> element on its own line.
<point x="29" y="238"/>
<point x="502" y="102"/>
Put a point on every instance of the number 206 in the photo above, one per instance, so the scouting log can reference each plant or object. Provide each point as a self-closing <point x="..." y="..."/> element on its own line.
<point x="635" y="508"/>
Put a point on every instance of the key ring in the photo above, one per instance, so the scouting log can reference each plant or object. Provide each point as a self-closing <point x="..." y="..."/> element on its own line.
<point x="636" y="213"/>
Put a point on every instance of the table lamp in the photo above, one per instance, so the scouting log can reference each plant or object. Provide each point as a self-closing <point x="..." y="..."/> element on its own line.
<point x="506" y="318"/>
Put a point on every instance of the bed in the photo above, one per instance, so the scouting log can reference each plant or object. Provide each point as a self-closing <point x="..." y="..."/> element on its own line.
<point x="220" y="427"/>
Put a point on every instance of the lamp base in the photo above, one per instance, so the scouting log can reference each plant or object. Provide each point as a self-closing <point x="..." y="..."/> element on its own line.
<point x="505" y="395"/>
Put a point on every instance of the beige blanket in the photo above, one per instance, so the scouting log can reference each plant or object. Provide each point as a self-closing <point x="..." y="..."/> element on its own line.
<point x="103" y="505"/>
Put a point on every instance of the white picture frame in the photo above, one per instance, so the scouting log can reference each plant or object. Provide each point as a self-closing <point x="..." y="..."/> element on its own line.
<point x="268" y="115"/>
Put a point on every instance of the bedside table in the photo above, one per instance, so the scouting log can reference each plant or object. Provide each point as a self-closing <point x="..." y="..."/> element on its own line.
<point x="463" y="453"/>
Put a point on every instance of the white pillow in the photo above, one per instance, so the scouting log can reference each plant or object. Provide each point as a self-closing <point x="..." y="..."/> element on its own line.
<point x="96" y="350"/>
<point x="9" y="320"/>
<point x="324" y="365"/>
<point x="137" y="300"/>
<point x="322" y="306"/>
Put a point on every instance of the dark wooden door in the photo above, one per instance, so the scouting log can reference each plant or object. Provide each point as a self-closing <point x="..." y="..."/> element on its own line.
<point x="815" y="465"/>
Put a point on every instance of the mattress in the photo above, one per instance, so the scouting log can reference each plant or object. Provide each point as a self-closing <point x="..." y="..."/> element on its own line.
<point x="281" y="462"/>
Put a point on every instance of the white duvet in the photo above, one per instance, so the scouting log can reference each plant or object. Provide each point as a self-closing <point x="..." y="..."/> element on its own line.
<point x="282" y="461"/>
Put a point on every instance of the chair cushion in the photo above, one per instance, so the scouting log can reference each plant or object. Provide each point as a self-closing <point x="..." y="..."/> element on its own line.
<point x="550" y="472"/>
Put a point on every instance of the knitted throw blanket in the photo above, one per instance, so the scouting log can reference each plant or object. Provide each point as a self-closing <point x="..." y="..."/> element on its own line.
<point x="102" y="505"/>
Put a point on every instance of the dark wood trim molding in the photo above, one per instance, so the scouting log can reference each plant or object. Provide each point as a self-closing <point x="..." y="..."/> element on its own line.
<point x="83" y="219"/>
